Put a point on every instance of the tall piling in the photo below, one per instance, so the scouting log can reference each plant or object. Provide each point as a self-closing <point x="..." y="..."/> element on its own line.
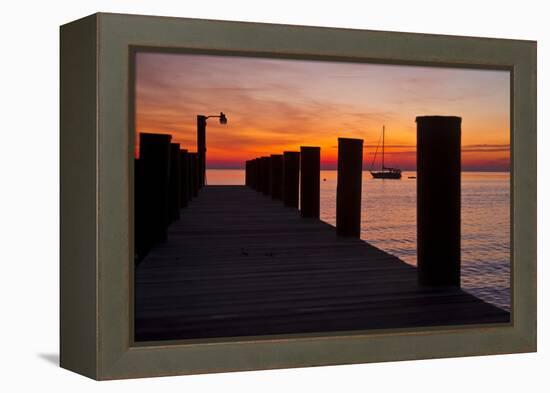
<point x="184" y="178"/>
<point x="247" y="170"/>
<point x="194" y="174"/>
<point x="201" y="150"/>
<point x="266" y="175"/>
<point x="261" y="164"/>
<point x="175" y="179"/>
<point x="349" y="184"/>
<point x="291" y="178"/>
<point x="310" y="177"/>
<point x="142" y="242"/>
<point x="251" y="179"/>
<point x="276" y="176"/>
<point x="438" y="200"/>
<point x="255" y="174"/>
<point x="154" y="155"/>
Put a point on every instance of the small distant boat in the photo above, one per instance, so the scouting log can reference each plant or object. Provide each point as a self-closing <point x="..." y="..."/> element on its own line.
<point x="412" y="177"/>
<point x="384" y="172"/>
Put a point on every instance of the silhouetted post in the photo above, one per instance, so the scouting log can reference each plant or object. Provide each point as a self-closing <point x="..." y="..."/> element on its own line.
<point x="194" y="174"/>
<point x="142" y="242"/>
<point x="175" y="178"/>
<point x="190" y="190"/>
<point x="258" y="175"/>
<point x="276" y="176"/>
<point x="261" y="164"/>
<point x="154" y="152"/>
<point x="251" y="175"/>
<point x="247" y="173"/>
<point x="310" y="166"/>
<point x="291" y="178"/>
<point x="438" y="199"/>
<point x="348" y="191"/>
<point x="254" y="174"/>
<point x="201" y="150"/>
<point x="266" y="175"/>
<point x="184" y="178"/>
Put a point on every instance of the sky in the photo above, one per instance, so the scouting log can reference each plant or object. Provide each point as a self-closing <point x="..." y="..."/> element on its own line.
<point x="276" y="105"/>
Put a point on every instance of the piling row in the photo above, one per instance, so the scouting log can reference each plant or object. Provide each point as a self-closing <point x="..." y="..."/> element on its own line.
<point x="295" y="179"/>
<point x="276" y="175"/>
<point x="166" y="179"/>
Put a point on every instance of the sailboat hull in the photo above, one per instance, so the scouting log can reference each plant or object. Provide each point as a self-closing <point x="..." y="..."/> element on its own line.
<point x="386" y="174"/>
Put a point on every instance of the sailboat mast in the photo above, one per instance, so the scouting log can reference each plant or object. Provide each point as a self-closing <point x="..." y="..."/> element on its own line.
<point x="383" y="137"/>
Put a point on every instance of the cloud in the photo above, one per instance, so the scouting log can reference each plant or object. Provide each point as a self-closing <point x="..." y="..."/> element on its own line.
<point x="486" y="148"/>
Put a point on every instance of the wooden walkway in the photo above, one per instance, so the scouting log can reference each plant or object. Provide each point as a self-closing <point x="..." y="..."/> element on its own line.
<point x="238" y="263"/>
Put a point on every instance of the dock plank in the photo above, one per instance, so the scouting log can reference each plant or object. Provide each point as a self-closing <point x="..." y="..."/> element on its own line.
<point x="238" y="263"/>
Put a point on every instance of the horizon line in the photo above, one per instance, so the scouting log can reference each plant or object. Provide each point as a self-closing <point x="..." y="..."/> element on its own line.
<point x="367" y="170"/>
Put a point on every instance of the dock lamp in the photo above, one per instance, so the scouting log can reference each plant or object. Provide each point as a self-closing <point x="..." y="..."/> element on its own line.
<point x="201" y="143"/>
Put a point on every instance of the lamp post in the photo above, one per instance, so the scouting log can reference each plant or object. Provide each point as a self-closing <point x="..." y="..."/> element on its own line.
<point x="201" y="143"/>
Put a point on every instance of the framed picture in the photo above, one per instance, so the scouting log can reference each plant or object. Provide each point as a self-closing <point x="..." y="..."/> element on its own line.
<point x="242" y="196"/>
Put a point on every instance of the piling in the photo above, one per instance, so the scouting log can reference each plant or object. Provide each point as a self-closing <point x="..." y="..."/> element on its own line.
<point x="438" y="200"/>
<point x="291" y="178"/>
<point x="194" y="174"/>
<point x="251" y="166"/>
<point x="142" y="243"/>
<point x="261" y="164"/>
<point x="348" y="190"/>
<point x="266" y="175"/>
<point x="259" y="168"/>
<point x="154" y="150"/>
<point x="184" y="178"/>
<point x="276" y="176"/>
<point x="310" y="166"/>
<point x="175" y="178"/>
<point x="247" y="174"/>
<point x="254" y="174"/>
<point x="201" y="150"/>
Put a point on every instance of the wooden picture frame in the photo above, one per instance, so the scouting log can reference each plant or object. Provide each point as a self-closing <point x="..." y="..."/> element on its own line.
<point x="96" y="202"/>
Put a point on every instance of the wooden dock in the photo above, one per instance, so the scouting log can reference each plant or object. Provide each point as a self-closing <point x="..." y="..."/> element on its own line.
<point x="238" y="263"/>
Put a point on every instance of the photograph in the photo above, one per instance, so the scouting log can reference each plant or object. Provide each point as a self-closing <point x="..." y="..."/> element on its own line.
<point x="280" y="196"/>
<point x="293" y="196"/>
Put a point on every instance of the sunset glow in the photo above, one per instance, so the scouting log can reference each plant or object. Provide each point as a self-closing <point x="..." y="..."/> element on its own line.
<point x="276" y="105"/>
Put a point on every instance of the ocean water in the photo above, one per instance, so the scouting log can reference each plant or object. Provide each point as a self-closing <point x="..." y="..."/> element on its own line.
<point x="388" y="221"/>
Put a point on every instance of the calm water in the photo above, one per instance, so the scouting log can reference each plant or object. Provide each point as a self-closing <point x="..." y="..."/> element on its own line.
<point x="388" y="221"/>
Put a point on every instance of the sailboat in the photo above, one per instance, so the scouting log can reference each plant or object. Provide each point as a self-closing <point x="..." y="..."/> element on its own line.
<point x="384" y="172"/>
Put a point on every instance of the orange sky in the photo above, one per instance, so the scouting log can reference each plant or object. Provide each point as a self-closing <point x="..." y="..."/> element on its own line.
<point x="276" y="105"/>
